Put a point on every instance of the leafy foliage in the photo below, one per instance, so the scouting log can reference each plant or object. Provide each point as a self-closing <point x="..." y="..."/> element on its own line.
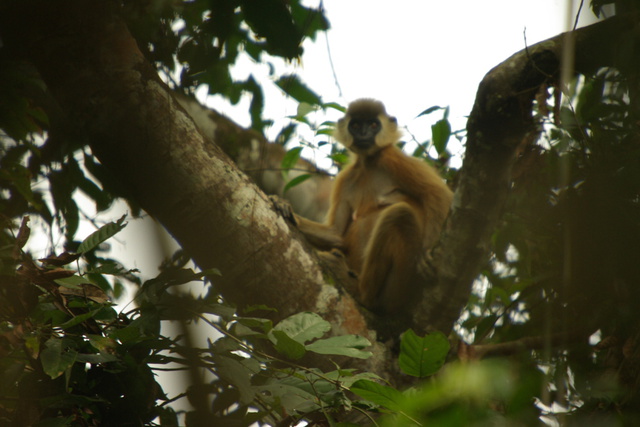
<point x="69" y="356"/>
<point x="208" y="38"/>
<point x="422" y="356"/>
<point x="565" y="262"/>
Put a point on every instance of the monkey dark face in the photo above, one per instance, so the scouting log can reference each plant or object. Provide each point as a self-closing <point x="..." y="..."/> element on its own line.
<point x="364" y="131"/>
<point x="366" y="127"/>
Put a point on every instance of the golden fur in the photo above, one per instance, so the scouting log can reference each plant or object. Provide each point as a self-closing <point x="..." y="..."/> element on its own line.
<point x="387" y="210"/>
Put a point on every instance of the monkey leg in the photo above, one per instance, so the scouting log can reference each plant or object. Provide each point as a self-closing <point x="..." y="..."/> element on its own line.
<point x="389" y="273"/>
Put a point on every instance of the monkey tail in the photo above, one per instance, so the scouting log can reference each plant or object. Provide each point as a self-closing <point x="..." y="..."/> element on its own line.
<point x="388" y="274"/>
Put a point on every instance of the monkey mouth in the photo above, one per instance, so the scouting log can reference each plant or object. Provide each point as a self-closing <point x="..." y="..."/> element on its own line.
<point x="363" y="144"/>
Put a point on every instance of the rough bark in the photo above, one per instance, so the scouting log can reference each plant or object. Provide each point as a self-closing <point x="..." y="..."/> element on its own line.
<point x="261" y="161"/>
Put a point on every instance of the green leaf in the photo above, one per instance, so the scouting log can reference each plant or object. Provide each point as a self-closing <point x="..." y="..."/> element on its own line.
<point x="111" y="268"/>
<point x="303" y="327"/>
<point x="285" y="134"/>
<point x="381" y="395"/>
<point x="485" y="325"/>
<point x="20" y="177"/>
<point x="293" y="87"/>
<point x="32" y="344"/>
<point x="440" y="134"/>
<point x="335" y="106"/>
<point x="221" y="310"/>
<point x="590" y="102"/>
<point x="72" y="282"/>
<point x="129" y="334"/>
<point x="259" y="307"/>
<point x="422" y="356"/>
<point x="55" y="358"/>
<point x="289" y="160"/>
<point x="100" y="235"/>
<point x="296" y="181"/>
<point x="102" y="344"/>
<point x="76" y="320"/>
<point x="328" y="131"/>
<point x="287" y="346"/>
<point x="235" y="373"/>
<point x="348" y="378"/>
<point x="168" y="416"/>
<point x="293" y="399"/>
<point x="102" y="199"/>
<point x="339" y="158"/>
<point x="429" y="111"/>
<point x="264" y="325"/>
<point x="304" y="109"/>
<point x="344" y="345"/>
<point x="257" y="103"/>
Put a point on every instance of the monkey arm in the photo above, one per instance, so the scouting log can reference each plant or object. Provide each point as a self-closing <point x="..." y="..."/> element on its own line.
<point x="329" y="235"/>
<point x="322" y="236"/>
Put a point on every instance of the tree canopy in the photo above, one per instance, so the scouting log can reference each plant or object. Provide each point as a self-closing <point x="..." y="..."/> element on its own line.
<point x="529" y="309"/>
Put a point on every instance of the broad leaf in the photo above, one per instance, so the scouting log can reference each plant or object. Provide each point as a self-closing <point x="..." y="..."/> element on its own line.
<point x="422" y="356"/>
<point x="234" y="372"/>
<point x="290" y="397"/>
<point x="429" y="110"/>
<point x="293" y="87"/>
<point x="56" y="358"/>
<point x="304" y="109"/>
<point x="379" y="394"/>
<point x="100" y="235"/>
<point x="289" y="160"/>
<point x="303" y="327"/>
<point x="440" y="134"/>
<point x="287" y="346"/>
<point x="335" y="106"/>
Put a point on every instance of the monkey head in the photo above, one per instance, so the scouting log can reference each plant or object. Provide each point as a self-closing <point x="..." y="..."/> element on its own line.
<point x="366" y="127"/>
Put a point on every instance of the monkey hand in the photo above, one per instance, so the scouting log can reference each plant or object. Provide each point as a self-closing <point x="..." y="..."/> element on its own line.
<point x="284" y="208"/>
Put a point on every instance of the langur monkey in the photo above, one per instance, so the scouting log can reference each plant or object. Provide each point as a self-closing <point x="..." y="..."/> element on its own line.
<point x="386" y="210"/>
